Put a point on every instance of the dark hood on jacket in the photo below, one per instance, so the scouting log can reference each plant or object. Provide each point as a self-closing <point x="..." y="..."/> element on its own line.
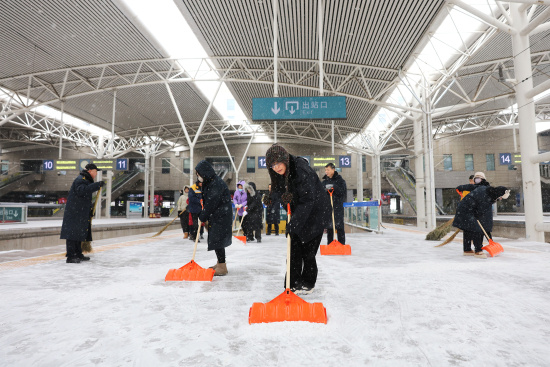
<point x="87" y="175"/>
<point x="205" y="170"/>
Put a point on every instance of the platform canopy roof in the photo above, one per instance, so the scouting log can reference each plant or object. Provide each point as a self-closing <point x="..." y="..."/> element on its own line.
<point x="386" y="57"/>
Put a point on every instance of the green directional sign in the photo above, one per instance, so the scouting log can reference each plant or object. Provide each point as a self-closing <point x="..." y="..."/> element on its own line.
<point x="299" y="108"/>
<point x="12" y="214"/>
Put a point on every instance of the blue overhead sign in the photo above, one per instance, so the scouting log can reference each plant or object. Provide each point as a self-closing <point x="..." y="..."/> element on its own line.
<point x="299" y="108"/>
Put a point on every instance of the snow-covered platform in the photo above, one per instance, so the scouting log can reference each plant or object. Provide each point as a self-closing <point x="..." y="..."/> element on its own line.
<point x="397" y="301"/>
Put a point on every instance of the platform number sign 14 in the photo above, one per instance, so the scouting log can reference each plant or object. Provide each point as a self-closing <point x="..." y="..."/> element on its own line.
<point x="345" y="161"/>
<point x="122" y="164"/>
<point x="261" y="162"/>
<point x="48" y="165"/>
<point x="505" y="158"/>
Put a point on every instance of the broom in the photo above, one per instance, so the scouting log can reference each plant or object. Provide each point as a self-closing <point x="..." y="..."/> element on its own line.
<point x="166" y="226"/>
<point x="86" y="246"/>
<point x="449" y="239"/>
<point x="440" y="231"/>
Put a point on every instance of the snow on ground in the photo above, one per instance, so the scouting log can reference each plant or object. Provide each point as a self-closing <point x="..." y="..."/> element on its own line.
<point x="397" y="301"/>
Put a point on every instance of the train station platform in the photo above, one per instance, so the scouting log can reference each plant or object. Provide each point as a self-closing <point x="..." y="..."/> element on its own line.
<point x="396" y="301"/>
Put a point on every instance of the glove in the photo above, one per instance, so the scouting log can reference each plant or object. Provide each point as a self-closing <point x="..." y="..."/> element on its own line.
<point x="245" y="213"/>
<point x="179" y="214"/>
<point x="506" y="194"/>
<point x="267" y="201"/>
<point x="101" y="184"/>
<point x="238" y="206"/>
<point x="287" y="230"/>
<point x="286" y="198"/>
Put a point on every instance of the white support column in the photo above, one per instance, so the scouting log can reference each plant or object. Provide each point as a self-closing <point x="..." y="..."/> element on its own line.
<point x="332" y="137"/>
<point x="191" y="166"/>
<point x="61" y="131"/>
<point x="429" y="163"/>
<point x="376" y="177"/>
<point x="152" y="181"/>
<point x="320" y="15"/>
<point x="108" y="194"/>
<point x="99" y="177"/>
<point x="419" y="174"/>
<point x="146" y="185"/>
<point x="527" y="132"/>
<point x="359" y="175"/>
<point x="275" y="131"/>
<point x="275" y="50"/>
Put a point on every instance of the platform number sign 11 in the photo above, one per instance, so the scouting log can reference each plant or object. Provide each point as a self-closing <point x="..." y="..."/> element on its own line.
<point x="505" y="158"/>
<point x="261" y="162"/>
<point x="48" y="165"/>
<point x="122" y="164"/>
<point x="345" y="161"/>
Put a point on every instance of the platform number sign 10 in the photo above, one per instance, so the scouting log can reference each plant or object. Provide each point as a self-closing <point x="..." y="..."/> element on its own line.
<point x="48" y="165"/>
<point x="505" y="158"/>
<point x="261" y="162"/>
<point x="122" y="164"/>
<point x="345" y="161"/>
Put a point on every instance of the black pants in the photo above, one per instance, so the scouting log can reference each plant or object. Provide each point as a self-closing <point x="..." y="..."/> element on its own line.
<point x="476" y="237"/>
<point x="276" y="224"/>
<point x="74" y="249"/>
<point x="184" y="221"/>
<point x="220" y="254"/>
<point x="253" y="233"/>
<point x="341" y="232"/>
<point x="195" y="227"/>
<point x="303" y="266"/>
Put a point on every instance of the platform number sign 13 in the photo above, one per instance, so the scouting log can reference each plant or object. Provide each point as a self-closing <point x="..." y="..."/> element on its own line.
<point x="345" y="161"/>
<point x="261" y="162"/>
<point x="48" y="165"/>
<point x="122" y="164"/>
<point x="505" y="158"/>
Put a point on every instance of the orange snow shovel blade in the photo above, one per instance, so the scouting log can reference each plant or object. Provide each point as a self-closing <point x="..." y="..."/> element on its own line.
<point x="493" y="248"/>
<point x="287" y="307"/>
<point x="190" y="272"/>
<point x="241" y="238"/>
<point x="335" y="248"/>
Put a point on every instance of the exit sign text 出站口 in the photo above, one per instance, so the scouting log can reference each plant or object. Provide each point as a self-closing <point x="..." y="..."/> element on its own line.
<point x="299" y="108"/>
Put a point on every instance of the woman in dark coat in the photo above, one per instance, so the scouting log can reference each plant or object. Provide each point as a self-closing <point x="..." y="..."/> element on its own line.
<point x="299" y="185"/>
<point x="273" y="211"/>
<point x="77" y="225"/>
<point x="252" y="221"/>
<point x="217" y="212"/>
<point x="477" y="206"/>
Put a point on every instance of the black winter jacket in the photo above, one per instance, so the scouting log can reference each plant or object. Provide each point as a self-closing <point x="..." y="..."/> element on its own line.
<point x="254" y="208"/>
<point x="338" y="196"/>
<point x="76" y="219"/>
<point x="217" y="207"/>
<point x="310" y="206"/>
<point x="273" y="211"/>
<point x="477" y="205"/>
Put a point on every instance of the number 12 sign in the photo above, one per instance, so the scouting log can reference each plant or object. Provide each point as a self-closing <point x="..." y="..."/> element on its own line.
<point x="505" y="158"/>
<point x="261" y="162"/>
<point x="345" y="161"/>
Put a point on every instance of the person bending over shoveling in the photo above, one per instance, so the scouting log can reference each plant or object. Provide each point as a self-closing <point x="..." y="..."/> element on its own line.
<point x="298" y="184"/>
<point x="217" y="212"/>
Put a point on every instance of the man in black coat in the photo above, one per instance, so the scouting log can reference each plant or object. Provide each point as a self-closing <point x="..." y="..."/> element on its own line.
<point x="77" y="225"/>
<point x="252" y="221"/>
<point x="217" y="212"/>
<point x="474" y="207"/>
<point x="299" y="186"/>
<point x="273" y="211"/>
<point x="332" y="180"/>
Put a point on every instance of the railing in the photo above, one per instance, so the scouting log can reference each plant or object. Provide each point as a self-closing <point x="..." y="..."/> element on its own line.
<point x="363" y="214"/>
<point x="11" y="179"/>
<point x="400" y="189"/>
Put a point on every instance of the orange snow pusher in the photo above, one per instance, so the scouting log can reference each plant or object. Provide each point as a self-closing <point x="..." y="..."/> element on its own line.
<point x="240" y="238"/>
<point x="335" y="247"/>
<point x="493" y="248"/>
<point x="287" y="306"/>
<point x="191" y="271"/>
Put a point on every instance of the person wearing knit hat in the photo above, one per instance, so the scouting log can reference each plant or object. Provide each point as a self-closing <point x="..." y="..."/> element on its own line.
<point x="298" y="185"/>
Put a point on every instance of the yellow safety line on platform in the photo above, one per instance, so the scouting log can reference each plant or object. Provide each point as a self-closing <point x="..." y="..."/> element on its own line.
<point x="61" y="256"/>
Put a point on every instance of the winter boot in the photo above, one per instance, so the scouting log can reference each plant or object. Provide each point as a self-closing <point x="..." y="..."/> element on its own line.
<point x="480" y="255"/>
<point x="469" y="253"/>
<point x="221" y="269"/>
<point x="214" y="267"/>
<point x="73" y="260"/>
<point x="185" y="235"/>
<point x="83" y="258"/>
